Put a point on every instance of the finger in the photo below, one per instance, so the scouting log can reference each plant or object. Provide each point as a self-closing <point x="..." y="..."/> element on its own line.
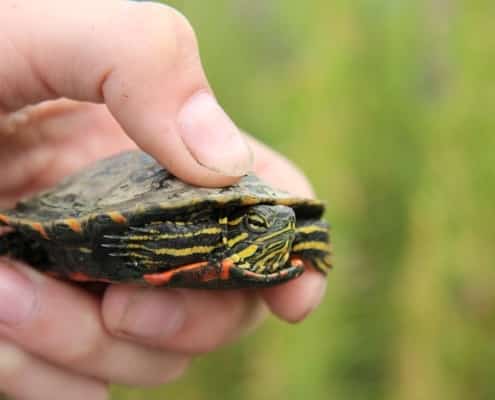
<point x="294" y="300"/>
<point x="24" y="376"/>
<point x="278" y="170"/>
<point x="62" y="324"/>
<point x="152" y="80"/>
<point x="191" y="321"/>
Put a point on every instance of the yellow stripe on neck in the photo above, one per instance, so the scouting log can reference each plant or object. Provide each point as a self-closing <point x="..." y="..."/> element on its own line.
<point x="311" y="229"/>
<point x="312" y="245"/>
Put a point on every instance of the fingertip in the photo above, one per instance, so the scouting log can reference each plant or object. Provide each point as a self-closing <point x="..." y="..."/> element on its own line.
<point x="198" y="143"/>
<point x="295" y="300"/>
<point x="209" y="319"/>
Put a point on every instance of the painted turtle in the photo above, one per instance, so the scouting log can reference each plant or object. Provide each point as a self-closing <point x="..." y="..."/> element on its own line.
<point x="126" y="219"/>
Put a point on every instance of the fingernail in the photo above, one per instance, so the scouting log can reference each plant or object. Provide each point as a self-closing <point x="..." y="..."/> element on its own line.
<point x="153" y="315"/>
<point x="17" y="296"/>
<point x="212" y="138"/>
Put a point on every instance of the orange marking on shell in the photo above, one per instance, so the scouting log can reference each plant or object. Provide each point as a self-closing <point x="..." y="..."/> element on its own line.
<point x="162" y="278"/>
<point x="74" y="224"/>
<point x="225" y="271"/>
<point x="4" y="219"/>
<point x="39" y="228"/>
<point x="117" y="217"/>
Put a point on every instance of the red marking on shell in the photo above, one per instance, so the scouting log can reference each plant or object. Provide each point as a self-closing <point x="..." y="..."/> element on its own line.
<point x="40" y="229"/>
<point x="117" y="217"/>
<point x="162" y="278"/>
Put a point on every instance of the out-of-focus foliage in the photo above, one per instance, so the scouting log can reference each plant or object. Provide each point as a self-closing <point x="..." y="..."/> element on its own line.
<point x="388" y="106"/>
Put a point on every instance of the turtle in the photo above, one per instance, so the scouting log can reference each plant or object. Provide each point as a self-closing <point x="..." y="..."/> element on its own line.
<point x="126" y="219"/>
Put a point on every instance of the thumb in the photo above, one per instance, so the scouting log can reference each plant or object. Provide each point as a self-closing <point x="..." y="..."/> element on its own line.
<point x="142" y="61"/>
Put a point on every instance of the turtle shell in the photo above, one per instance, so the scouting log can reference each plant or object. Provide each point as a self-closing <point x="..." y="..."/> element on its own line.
<point x="133" y="185"/>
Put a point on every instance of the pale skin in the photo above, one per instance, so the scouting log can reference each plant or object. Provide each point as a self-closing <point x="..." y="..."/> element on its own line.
<point x="80" y="81"/>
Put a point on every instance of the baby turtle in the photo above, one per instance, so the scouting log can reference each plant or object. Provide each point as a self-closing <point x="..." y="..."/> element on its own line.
<point x="126" y="219"/>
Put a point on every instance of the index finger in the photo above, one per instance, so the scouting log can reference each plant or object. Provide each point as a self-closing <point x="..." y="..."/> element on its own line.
<point x="141" y="60"/>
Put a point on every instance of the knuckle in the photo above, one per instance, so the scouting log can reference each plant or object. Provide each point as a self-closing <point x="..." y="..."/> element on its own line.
<point x="152" y="372"/>
<point x="180" y="367"/>
<point x="207" y="346"/>
<point x="88" y="345"/>
<point x="164" y="30"/>
<point x="206" y="343"/>
<point x="12" y="362"/>
<point x="168" y="371"/>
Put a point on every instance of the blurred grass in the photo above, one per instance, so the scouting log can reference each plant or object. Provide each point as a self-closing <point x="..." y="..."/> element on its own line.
<point x="388" y="108"/>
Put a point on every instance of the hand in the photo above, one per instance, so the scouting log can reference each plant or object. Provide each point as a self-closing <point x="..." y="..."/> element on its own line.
<point x="133" y="76"/>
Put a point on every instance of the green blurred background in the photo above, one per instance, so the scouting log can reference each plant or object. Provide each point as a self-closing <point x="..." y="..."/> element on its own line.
<point x="388" y="108"/>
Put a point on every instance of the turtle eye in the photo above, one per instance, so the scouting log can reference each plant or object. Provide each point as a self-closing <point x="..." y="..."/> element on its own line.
<point x="256" y="222"/>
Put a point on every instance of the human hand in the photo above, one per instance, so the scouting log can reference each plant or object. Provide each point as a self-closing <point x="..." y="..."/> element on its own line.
<point x="133" y="76"/>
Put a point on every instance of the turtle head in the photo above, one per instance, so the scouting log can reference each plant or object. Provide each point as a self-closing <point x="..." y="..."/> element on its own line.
<point x="260" y="240"/>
